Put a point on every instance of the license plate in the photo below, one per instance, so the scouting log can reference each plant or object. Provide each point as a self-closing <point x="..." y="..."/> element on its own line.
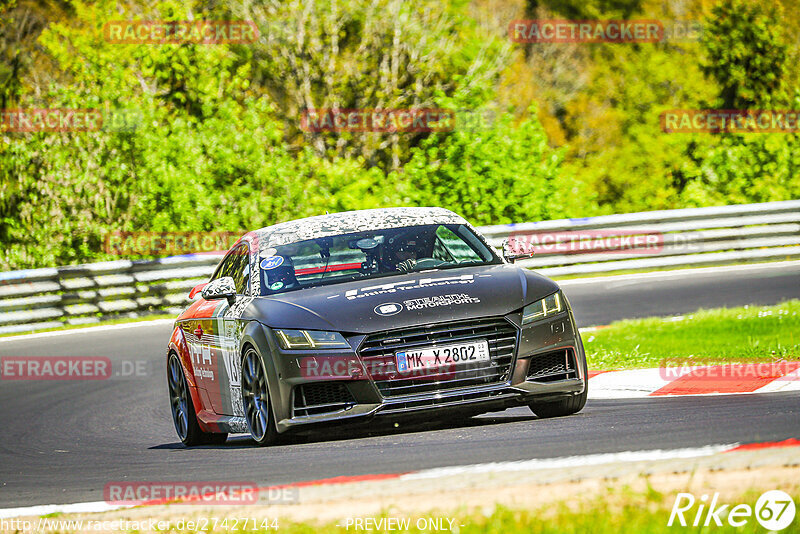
<point x="442" y="355"/>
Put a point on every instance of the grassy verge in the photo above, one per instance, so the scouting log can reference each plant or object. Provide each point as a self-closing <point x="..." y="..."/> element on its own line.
<point x="617" y="513"/>
<point x="745" y="334"/>
<point x="620" y="511"/>
<point x="624" y="498"/>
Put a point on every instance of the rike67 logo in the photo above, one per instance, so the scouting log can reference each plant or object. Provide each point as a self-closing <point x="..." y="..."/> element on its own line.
<point x="774" y="510"/>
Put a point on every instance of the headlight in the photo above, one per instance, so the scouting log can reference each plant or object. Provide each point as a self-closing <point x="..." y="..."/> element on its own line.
<point x="543" y="308"/>
<point x="310" y="339"/>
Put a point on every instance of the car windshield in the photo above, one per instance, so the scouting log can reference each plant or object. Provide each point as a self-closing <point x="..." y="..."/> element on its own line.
<point x="371" y="254"/>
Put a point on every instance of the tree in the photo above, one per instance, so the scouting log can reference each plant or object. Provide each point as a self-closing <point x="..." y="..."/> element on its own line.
<point x="748" y="58"/>
<point x="366" y="54"/>
<point x="746" y="55"/>
<point x="498" y="172"/>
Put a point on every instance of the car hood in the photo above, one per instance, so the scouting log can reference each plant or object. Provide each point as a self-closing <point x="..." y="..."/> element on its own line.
<point x="368" y="306"/>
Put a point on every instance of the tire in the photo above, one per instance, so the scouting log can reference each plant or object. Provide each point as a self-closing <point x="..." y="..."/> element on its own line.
<point x="560" y="408"/>
<point x="568" y="406"/>
<point x="184" y="416"/>
<point x="256" y="401"/>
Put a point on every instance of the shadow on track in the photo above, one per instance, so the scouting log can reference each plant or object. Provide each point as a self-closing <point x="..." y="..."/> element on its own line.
<point x="340" y="432"/>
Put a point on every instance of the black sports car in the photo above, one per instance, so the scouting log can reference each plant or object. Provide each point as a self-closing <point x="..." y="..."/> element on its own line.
<point x="376" y="313"/>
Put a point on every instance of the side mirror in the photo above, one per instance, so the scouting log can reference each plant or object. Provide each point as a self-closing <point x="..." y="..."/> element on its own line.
<point x="514" y="249"/>
<point x="221" y="288"/>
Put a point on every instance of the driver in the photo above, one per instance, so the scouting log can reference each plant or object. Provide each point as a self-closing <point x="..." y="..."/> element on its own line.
<point x="406" y="256"/>
<point x="404" y="251"/>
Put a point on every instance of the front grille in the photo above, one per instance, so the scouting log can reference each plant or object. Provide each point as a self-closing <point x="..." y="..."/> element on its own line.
<point x="378" y="353"/>
<point x="550" y="366"/>
<point x="320" y="398"/>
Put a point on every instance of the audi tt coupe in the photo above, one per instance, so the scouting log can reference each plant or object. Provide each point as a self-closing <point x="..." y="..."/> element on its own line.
<point x="398" y="312"/>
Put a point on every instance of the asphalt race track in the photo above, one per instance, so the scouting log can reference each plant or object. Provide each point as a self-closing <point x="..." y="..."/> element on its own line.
<point x="62" y="441"/>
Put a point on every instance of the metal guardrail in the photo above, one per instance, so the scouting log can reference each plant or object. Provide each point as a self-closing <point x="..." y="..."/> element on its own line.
<point x="36" y="299"/>
<point x="44" y="298"/>
<point x="685" y="237"/>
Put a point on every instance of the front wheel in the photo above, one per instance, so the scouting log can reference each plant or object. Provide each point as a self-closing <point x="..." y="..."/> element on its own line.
<point x="255" y="397"/>
<point x="183" y="413"/>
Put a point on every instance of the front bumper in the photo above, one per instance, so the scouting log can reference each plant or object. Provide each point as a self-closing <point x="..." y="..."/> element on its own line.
<point x="535" y="372"/>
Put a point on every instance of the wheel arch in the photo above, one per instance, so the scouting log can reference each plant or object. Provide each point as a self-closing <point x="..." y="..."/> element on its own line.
<point x="194" y="393"/>
<point x="256" y="335"/>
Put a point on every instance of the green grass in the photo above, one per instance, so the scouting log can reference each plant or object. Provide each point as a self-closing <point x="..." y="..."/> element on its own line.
<point x="745" y="334"/>
<point x="620" y="511"/>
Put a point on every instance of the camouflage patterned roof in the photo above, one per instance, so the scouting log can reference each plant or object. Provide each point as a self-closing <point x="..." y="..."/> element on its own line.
<point x="351" y="221"/>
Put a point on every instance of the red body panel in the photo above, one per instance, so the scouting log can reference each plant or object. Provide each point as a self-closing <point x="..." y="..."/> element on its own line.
<point x="203" y="390"/>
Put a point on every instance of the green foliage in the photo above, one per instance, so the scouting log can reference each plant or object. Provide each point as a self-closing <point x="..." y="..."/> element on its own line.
<point x="626" y="160"/>
<point x="194" y="161"/>
<point x="746" y="54"/>
<point x="748" y="58"/>
<point x="619" y="150"/>
<point x="745" y="168"/>
<point x="495" y="173"/>
<point x="367" y="54"/>
<point x="574" y="129"/>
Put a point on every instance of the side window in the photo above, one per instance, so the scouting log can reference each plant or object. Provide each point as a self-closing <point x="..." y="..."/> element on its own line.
<point x="240" y="268"/>
<point x="224" y="268"/>
<point x="246" y="270"/>
<point x="450" y="247"/>
<point x="236" y="265"/>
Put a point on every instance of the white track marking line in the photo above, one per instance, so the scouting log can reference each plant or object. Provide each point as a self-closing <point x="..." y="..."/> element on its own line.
<point x="87" y="330"/>
<point x="630" y="384"/>
<point x="77" y="508"/>
<point x="570" y="461"/>
<point x="788" y="382"/>
<point x="641" y="383"/>
<point x="522" y="465"/>
<point x="677" y="273"/>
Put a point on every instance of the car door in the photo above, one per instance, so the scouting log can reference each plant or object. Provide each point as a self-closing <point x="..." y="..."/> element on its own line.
<point x="226" y="396"/>
<point x="199" y="332"/>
